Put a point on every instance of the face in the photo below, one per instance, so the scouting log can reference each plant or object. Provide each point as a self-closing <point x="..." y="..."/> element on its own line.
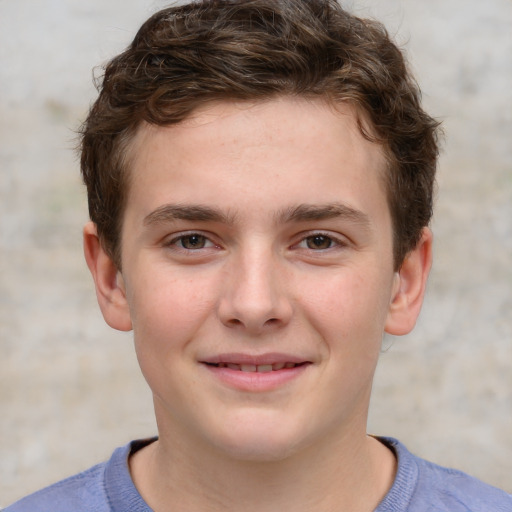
<point x="258" y="275"/>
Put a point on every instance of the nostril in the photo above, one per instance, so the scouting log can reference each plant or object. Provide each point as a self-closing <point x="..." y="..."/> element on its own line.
<point x="235" y="322"/>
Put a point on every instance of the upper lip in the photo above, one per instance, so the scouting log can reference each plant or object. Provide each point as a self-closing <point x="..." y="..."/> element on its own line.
<point x="253" y="359"/>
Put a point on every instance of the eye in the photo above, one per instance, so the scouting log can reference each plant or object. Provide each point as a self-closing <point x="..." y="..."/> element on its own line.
<point x="319" y="242"/>
<point x="192" y="241"/>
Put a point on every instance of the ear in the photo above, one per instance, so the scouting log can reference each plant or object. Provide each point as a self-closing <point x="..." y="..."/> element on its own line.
<point x="110" y="288"/>
<point x="409" y="288"/>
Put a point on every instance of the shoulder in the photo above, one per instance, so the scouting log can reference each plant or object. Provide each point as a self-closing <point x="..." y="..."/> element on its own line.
<point x="427" y="487"/>
<point x="90" y="490"/>
<point x="456" y="490"/>
<point x="84" y="491"/>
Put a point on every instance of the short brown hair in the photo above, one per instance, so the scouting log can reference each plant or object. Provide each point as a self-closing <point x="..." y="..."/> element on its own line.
<point x="185" y="56"/>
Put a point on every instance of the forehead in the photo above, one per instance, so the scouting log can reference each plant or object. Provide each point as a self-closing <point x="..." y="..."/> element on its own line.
<point x="298" y="145"/>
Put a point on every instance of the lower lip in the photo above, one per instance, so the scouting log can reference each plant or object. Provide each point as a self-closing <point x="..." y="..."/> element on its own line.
<point x="256" y="381"/>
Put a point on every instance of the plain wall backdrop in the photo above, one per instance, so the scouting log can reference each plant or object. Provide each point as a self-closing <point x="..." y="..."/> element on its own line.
<point x="70" y="388"/>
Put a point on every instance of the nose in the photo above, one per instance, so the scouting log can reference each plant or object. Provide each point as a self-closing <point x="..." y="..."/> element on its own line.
<point x="255" y="294"/>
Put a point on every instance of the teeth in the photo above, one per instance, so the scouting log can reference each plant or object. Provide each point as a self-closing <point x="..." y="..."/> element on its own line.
<point x="262" y="368"/>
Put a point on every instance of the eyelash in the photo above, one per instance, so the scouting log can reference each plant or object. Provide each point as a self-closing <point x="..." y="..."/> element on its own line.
<point x="334" y="242"/>
<point x="178" y="242"/>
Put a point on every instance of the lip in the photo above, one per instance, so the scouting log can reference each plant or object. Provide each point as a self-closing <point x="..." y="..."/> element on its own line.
<point x="254" y="359"/>
<point x="261" y="380"/>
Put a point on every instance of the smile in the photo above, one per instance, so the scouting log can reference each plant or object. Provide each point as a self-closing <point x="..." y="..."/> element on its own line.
<point x="256" y="374"/>
<point x="261" y="368"/>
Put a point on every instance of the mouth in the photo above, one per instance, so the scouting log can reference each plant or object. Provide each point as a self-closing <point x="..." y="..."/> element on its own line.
<point x="257" y="368"/>
<point x="256" y="373"/>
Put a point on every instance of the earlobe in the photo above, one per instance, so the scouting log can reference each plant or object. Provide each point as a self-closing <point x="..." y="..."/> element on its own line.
<point x="409" y="287"/>
<point x="110" y="286"/>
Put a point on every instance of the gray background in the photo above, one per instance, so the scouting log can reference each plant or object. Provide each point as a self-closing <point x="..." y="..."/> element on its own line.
<point x="70" y="388"/>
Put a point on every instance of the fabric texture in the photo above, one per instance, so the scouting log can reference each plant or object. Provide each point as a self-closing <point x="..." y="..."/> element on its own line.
<point x="419" y="486"/>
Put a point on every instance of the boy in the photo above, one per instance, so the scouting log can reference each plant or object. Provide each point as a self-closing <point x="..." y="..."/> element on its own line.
<point x="260" y="177"/>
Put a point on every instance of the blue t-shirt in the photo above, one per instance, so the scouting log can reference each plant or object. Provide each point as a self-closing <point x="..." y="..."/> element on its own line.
<point x="419" y="486"/>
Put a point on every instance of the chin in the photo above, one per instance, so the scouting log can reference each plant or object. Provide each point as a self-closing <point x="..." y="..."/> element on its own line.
<point x="259" y="450"/>
<point x="260" y="441"/>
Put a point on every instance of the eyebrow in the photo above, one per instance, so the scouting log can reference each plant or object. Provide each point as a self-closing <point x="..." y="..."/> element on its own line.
<point x="171" y="212"/>
<point x="312" y="212"/>
<point x="299" y="213"/>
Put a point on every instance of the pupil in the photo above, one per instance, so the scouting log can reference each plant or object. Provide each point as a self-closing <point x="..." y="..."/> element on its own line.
<point x="193" y="242"/>
<point x="319" y="242"/>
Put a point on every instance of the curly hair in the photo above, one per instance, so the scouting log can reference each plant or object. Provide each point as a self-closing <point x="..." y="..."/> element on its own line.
<point x="185" y="56"/>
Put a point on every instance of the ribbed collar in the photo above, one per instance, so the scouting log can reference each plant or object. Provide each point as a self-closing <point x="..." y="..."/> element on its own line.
<point x="123" y="495"/>
<point x="121" y="492"/>
<point x="399" y="496"/>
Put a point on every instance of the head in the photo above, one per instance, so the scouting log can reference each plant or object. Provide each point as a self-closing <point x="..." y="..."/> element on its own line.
<point x="186" y="57"/>
<point x="259" y="177"/>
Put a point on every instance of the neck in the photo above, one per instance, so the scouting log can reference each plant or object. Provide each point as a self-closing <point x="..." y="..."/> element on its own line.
<point x="353" y="474"/>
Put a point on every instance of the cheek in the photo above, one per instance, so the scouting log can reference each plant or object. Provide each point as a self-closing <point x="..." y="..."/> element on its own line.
<point x="167" y="311"/>
<point x="167" y="315"/>
<point x="162" y="286"/>
<point x="348" y="307"/>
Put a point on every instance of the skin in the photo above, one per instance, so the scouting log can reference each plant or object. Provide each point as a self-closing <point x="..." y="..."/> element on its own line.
<point x="260" y="233"/>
